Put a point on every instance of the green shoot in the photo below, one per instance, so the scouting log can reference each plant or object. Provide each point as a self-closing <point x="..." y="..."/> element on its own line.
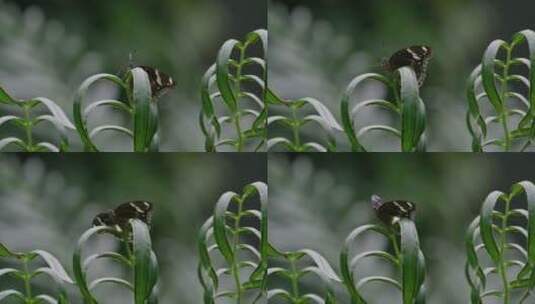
<point x="406" y="104"/>
<point x="232" y="96"/>
<point x="406" y="257"/>
<point x="138" y="257"/>
<point x="225" y="239"/>
<point x="28" y="120"/>
<point x="139" y="106"/>
<point x="27" y="273"/>
<point x="500" y="247"/>
<point x="295" y="122"/>
<point x="294" y="274"/>
<point x="501" y="94"/>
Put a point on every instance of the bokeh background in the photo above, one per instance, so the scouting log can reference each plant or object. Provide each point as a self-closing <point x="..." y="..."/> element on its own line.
<point x="47" y="48"/>
<point x="321" y="199"/>
<point x="47" y="202"/>
<point x="318" y="46"/>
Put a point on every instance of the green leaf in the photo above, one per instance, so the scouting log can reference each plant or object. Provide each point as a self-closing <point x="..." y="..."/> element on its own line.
<point x="5" y="252"/>
<point x="11" y="293"/>
<point x="411" y="270"/>
<point x="220" y="231"/>
<point x="5" y="98"/>
<point x="322" y="263"/>
<point x="224" y="82"/>
<point x="485" y="225"/>
<point x="145" y="111"/>
<point x="473" y="105"/>
<point x="529" y="189"/>
<point x="56" y="111"/>
<point x="345" y="268"/>
<point x="145" y="267"/>
<point x="347" y="120"/>
<point x="413" y="111"/>
<point x="473" y="259"/>
<point x="260" y="273"/>
<point x="77" y="265"/>
<point x="12" y="141"/>
<point x="489" y="81"/>
<point x="55" y="265"/>
<point x="80" y="99"/>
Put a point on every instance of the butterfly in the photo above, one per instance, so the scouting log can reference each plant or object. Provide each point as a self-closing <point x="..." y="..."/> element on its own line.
<point x="416" y="56"/>
<point x="160" y="82"/>
<point x="119" y="217"/>
<point x="391" y="212"/>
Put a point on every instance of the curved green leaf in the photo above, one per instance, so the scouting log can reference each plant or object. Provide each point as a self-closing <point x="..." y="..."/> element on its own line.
<point x="485" y="225"/>
<point x="487" y="72"/>
<point x="145" y="111"/>
<point x="413" y="119"/>
<point x="145" y="269"/>
<point x="79" y="100"/>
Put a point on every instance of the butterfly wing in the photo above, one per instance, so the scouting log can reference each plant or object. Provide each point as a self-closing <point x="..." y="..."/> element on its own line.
<point x="416" y="56"/>
<point x="400" y="59"/>
<point x="104" y="219"/>
<point x="392" y="211"/>
<point x="133" y="210"/>
<point x="159" y="81"/>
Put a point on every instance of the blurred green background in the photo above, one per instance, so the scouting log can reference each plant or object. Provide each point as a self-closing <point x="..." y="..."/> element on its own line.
<point x="321" y="199"/>
<point x="47" y="48"/>
<point x="318" y="46"/>
<point x="48" y="201"/>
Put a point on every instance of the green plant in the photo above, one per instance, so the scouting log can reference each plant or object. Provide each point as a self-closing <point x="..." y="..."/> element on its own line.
<point x="407" y="258"/>
<point x="138" y="256"/>
<point x="505" y="237"/>
<point x="295" y="123"/>
<point x="493" y="84"/>
<point x="53" y="270"/>
<point x="139" y="106"/>
<point x="406" y="104"/>
<point x="228" y="234"/>
<point x="27" y="121"/>
<point x="234" y="88"/>
<point x="293" y="273"/>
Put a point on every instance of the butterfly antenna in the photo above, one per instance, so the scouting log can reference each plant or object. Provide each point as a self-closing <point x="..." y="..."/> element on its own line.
<point x="377" y="201"/>
<point x="130" y="60"/>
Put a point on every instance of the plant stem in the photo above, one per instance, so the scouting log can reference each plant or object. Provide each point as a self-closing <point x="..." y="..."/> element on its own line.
<point x="27" y="284"/>
<point x="502" y="268"/>
<point x="237" y="116"/>
<point x="394" y="241"/>
<point x="295" y="129"/>
<point x="504" y="91"/>
<point x="28" y="124"/>
<point x="294" y="274"/>
<point x="235" y="268"/>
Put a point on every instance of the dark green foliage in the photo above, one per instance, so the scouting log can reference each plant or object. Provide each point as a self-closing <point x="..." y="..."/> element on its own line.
<point x="294" y="273"/>
<point x="138" y="257"/>
<point x="29" y="117"/>
<point x="294" y="122"/>
<point x="229" y="234"/>
<point x="406" y="104"/>
<point x="140" y="107"/>
<point x="407" y="258"/>
<point x="504" y="86"/>
<point x="53" y="270"/>
<point x="500" y="247"/>
<point x="233" y="95"/>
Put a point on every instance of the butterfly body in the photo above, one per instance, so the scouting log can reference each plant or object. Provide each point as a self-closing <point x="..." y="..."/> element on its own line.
<point x="416" y="56"/>
<point x="119" y="217"/>
<point x="392" y="211"/>
<point x="160" y="82"/>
